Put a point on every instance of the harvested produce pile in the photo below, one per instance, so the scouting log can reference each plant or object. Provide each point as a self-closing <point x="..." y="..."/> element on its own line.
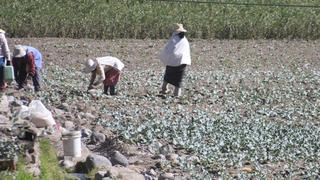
<point x="249" y="108"/>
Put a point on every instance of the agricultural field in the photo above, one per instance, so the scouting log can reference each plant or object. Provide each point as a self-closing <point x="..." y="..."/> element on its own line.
<point x="251" y="100"/>
<point x="250" y="108"/>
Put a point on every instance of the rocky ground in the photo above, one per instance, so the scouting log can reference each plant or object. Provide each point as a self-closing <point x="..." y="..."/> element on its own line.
<point x="115" y="130"/>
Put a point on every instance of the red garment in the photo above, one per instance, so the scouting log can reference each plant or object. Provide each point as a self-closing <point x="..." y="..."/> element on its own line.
<point x="31" y="63"/>
<point x="112" y="77"/>
<point x="25" y="62"/>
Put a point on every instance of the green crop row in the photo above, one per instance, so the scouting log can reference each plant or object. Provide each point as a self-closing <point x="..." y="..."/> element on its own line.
<point x="109" y="19"/>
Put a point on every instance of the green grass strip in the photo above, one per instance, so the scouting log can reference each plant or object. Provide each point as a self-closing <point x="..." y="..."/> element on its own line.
<point x="50" y="169"/>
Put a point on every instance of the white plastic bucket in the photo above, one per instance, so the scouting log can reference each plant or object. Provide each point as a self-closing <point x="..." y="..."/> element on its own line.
<point x="72" y="143"/>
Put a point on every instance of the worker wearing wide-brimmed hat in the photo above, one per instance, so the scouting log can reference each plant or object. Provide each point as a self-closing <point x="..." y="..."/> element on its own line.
<point x="4" y="57"/>
<point x="176" y="57"/>
<point x="27" y="61"/>
<point x="108" y="69"/>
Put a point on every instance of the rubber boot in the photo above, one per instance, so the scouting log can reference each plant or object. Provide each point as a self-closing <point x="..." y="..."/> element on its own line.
<point x="105" y="90"/>
<point x="113" y="90"/>
<point x="164" y="89"/>
<point x="177" y="91"/>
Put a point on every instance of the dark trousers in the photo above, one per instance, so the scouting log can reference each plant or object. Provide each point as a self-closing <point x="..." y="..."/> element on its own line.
<point x="2" y="64"/>
<point x="112" y="90"/>
<point x="22" y="76"/>
<point x="2" y="83"/>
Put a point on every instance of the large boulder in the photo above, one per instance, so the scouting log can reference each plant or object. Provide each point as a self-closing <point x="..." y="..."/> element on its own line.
<point x="97" y="161"/>
<point x="119" y="159"/>
<point x="98" y="137"/>
<point x="123" y="173"/>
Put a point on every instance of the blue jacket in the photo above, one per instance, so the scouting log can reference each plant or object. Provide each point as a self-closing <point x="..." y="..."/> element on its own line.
<point x="37" y="56"/>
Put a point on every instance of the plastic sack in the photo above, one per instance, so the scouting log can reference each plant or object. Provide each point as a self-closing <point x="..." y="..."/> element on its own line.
<point x="40" y="115"/>
<point x="24" y="112"/>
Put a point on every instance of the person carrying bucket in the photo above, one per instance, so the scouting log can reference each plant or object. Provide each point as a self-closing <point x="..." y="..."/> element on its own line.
<point x="4" y="58"/>
<point x="176" y="57"/>
<point x="27" y="61"/>
<point x="108" y="69"/>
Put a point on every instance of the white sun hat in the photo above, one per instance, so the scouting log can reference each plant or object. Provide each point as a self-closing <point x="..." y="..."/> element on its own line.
<point x="90" y="66"/>
<point x="2" y="31"/>
<point x="179" y="28"/>
<point x="19" y="51"/>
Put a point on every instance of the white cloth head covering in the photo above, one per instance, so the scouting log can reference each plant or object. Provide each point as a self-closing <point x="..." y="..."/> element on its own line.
<point x="90" y="66"/>
<point x="111" y="61"/>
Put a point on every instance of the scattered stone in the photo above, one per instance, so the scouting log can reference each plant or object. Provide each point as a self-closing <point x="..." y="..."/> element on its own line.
<point x="180" y="178"/>
<point x="160" y="164"/>
<point x="11" y="99"/>
<point x="81" y="121"/>
<point x="93" y="92"/>
<point x="123" y="172"/>
<point x="106" y="131"/>
<point x="59" y="112"/>
<point x="97" y="161"/>
<point x="69" y="125"/>
<point x="3" y="119"/>
<point x="17" y="103"/>
<point x="86" y="133"/>
<point x="30" y="156"/>
<point x="89" y="116"/>
<point x="118" y="158"/>
<point x="148" y="177"/>
<point x="4" y="104"/>
<point x="193" y="158"/>
<point x="152" y="172"/>
<point x="64" y="106"/>
<point x="166" y="176"/>
<point x="68" y="164"/>
<point x="173" y="158"/>
<point x="81" y="106"/>
<point x="136" y="161"/>
<point x="107" y="178"/>
<point x="35" y="171"/>
<point x="99" y="175"/>
<point x="248" y="169"/>
<point x="97" y="137"/>
<point x="77" y="176"/>
<point x="160" y="156"/>
<point x="166" y="149"/>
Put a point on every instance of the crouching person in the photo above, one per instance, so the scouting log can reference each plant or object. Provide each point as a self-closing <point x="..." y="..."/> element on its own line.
<point x="27" y="61"/>
<point x="108" y="69"/>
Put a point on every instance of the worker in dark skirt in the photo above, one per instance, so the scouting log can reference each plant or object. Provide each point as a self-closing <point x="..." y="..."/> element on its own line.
<point x="176" y="57"/>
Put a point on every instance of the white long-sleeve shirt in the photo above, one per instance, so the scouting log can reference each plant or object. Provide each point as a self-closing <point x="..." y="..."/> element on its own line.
<point x="4" y="48"/>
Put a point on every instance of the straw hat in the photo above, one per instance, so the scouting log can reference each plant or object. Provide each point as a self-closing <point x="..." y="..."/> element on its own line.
<point x="2" y="31"/>
<point x="90" y="65"/>
<point x="19" y="51"/>
<point x="179" y="28"/>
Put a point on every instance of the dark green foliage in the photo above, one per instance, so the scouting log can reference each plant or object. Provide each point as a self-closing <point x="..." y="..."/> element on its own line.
<point x="151" y="19"/>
